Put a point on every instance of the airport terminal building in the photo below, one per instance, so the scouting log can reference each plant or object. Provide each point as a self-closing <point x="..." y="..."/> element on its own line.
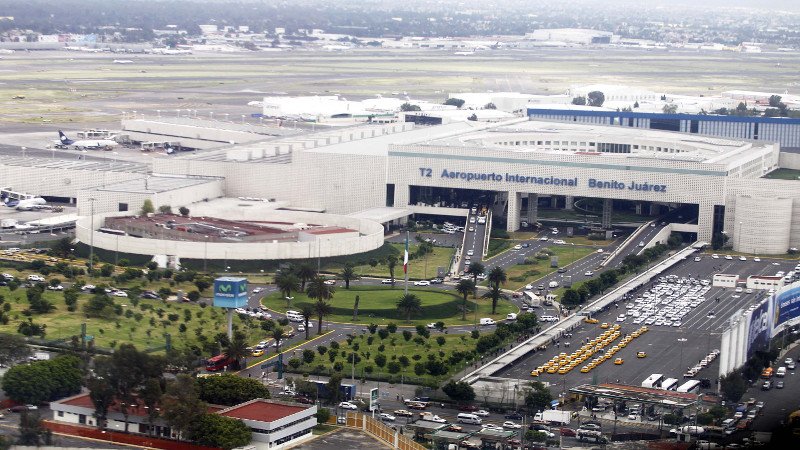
<point x="382" y="173"/>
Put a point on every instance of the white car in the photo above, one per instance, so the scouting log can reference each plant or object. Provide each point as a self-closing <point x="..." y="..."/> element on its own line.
<point x="544" y="238"/>
<point x="511" y="425"/>
<point x="729" y="257"/>
<point x="387" y="281"/>
<point x="422" y="283"/>
<point x="481" y="413"/>
<point x="491" y="427"/>
<point x="742" y="258"/>
<point x="35" y="278"/>
<point x="715" y="256"/>
<point x="529" y="287"/>
<point x="588" y="273"/>
<point x="431" y="325"/>
<point x="348" y="405"/>
<point x="471" y="229"/>
<point x="330" y="282"/>
<point x="56" y="288"/>
<point x="517" y="247"/>
<point x="559" y="242"/>
<point x="387" y="417"/>
<point x="119" y="294"/>
<point x="301" y="328"/>
<point x="257" y="290"/>
<point x="757" y="259"/>
<point x="470" y="252"/>
<point x="697" y="259"/>
<point x="434" y="418"/>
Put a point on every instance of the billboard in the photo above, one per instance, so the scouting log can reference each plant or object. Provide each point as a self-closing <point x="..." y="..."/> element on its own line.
<point x="230" y="292"/>
<point x="759" y="328"/>
<point x="373" y="399"/>
<point x="786" y="306"/>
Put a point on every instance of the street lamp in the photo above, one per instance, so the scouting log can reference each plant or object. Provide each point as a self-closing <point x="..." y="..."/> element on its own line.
<point x="681" y="340"/>
<point x="23" y="151"/>
<point x="739" y="237"/>
<point x="91" y="237"/>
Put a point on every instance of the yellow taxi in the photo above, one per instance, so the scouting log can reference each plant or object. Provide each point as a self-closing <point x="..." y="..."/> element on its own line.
<point x="590" y="320"/>
<point x="604" y="325"/>
<point x="619" y="361"/>
<point x="585" y="369"/>
<point x="552" y="370"/>
<point x="535" y="372"/>
<point x="257" y="352"/>
<point x="641" y="355"/>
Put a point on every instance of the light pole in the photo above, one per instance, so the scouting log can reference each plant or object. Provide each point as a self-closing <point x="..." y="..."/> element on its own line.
<point x="23" y="151"/>
<point x="681" y="340"/>
<point x="739" y="237"/>
<point x="205" y="256"/>
<point x="91" y="237"/>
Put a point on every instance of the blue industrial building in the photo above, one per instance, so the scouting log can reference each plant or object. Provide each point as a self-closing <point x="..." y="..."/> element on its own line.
<point x="771" y="129"/>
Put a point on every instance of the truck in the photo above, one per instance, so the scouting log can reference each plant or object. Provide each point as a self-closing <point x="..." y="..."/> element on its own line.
<point x="554" y="417"/>
<point x="347" y="392"/>
<point x="40" y="356"/>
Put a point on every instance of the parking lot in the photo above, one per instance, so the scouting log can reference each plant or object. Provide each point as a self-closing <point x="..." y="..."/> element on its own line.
<point x="692" y="318"/>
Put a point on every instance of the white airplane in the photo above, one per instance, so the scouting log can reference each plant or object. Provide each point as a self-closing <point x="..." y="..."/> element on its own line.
<point x="123" y="61"/>
<point x="65" y="142"/>
<point x="31" y="204"/>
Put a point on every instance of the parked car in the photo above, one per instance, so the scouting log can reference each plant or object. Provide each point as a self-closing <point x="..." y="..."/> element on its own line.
<point x="567" y="432"/>
<point x="20" y="408"/>
<point x="422" y="283"/>
<point x="482" y="413"/>
<point x="514" y="416"/>
<point x="387" y="281"/>
<point x="402" y="413"/>
<point x="387" y="417"/>
<point x="348" y="405"/>
<point x="511" y="425"/>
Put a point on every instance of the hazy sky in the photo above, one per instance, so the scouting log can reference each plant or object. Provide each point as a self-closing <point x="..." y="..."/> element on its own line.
<point x="793" y="5"/>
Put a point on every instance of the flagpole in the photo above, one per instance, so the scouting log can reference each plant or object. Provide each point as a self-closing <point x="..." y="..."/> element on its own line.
<point x="405" y="264"/>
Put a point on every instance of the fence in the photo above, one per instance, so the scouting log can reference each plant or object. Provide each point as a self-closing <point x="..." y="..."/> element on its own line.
<point x="382" y="432"/>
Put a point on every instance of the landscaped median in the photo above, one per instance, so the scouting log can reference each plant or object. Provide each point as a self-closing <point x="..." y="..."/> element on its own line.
<point x="538" y="265"/>
<point x="378" y="304"/>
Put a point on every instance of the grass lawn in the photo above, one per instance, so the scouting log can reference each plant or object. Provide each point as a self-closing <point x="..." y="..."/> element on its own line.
<point x="418" y="269"/>
<point x="377" y="304"/>
<point x="497" y="246"/>
<point x="521" y="274"/>
<point x="784" y="174"/>
<point x="368" y="346"/>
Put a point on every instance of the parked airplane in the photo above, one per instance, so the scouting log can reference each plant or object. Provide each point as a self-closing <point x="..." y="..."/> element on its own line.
<point x="31" y="203"/>
<point x="65" y="142"/>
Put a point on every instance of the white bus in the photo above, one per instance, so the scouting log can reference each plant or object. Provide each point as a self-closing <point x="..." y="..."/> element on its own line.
<point x="691" y="387"/>
<point x="670" y="384"/>
<point x="653" y="381"/>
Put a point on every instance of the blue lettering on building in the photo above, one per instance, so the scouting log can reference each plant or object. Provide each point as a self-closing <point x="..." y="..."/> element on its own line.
<point x="592" y="183"/>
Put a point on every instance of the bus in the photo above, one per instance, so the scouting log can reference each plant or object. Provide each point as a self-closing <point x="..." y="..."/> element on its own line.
<point x="217" y="363"/>
<point x="690" y="387"/>
<point x="653" y="381"/>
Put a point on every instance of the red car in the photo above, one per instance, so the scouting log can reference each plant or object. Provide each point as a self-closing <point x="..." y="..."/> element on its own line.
<point x="567" y="432"/>
<point x="468" y="408"/>
<point x="304" y="400"/>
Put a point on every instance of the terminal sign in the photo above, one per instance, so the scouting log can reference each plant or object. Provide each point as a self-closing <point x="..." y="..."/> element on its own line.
<point x="230" y="292"/>
<point x="591" y="183"/>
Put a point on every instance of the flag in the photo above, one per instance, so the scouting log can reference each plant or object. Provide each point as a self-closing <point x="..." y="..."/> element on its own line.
<point x="405" y="257"/>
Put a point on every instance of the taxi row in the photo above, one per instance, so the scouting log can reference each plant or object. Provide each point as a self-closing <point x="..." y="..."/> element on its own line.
<point x="605" y="356"/>
<point x="564" y="363"/>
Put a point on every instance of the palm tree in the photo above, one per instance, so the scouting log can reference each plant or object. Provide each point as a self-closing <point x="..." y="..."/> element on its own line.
<point x="465" y="287"/>
<point x="496" y="277"/>
<point x="409" y="305"/>
<point x="305" y="272"/>
<point x="317" y="289"/>
<point x="237" y="349"/>
<point x="348" y="274"/>
<point x="287" y="282"/>
<point x="476" y="269"/>
<point x="307" y="311"/>
<point x="278" y="334"/>
<point x="391" y="262"/>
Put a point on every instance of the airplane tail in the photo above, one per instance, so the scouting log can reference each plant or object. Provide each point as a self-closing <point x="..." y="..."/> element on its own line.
<point x="63" y="138"/>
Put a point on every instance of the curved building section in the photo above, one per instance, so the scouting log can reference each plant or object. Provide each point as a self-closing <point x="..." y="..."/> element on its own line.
<point x="287" y="235"/>
<point x="762" y="224"/>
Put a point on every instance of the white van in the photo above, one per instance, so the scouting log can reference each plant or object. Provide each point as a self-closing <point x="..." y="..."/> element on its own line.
<point x="781" y="372"/>
<point x="469" y="418"/>
<point x="511" y="316"/>
<point x="294" y="316"/>
<point x="553" y="284"/>
<point x="487" y="321"/>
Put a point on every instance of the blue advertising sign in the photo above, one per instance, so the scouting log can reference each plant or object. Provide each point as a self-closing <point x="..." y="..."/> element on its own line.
<point x="759" y="330"/>
<point x="230" y="292"/>
<point x="787" y="304"/>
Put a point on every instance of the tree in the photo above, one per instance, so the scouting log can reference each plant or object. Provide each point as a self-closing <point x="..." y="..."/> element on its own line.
<point x="287" y="282"/>
<point x="571" y="298"/>
<point x="308" y="312"/>
<point x="733" y="386"/>
<point x="278" y="334"/>
<point x="465" y="287"/>
<point x="409" y="305"/>
<point x="334" y="387"/>
<point x="147" y="207"/>
<point x="43" y="381"/>
<point x="229" y="389"/>
<point x="460" y="391"/>
<point x="409" y="107"/>
<point x="150" y="395"/>
<point x="635" y="104"/>
<point x="12" y="348"/>
<point x="305" y="272"/>
<point x="538" y="398"/>
<point x="102" y="395"/>
<point x="355" y="308"/>
<point x="497" y="277"/>
<point x="489" y="105"/>
<point x="718" y="240"/>
<point x="476" y="269"/>
<point x="62" y="248"/>
<point x="391" y="263"/>
<point x="184" y="211"/>
<point x="348" y="274"/>
<point x="595" y="98"/>
<point x="775" y="101"/>
<point x="32" y="431"/>
<point x="317" y="289"/>
<point x="213" y="430"/>
<point x="165" y="209"/>
<point x="473" y="117"/>
<point x="237" y="349"/>
<point x="181" y="406"/>
<point x="457" y="102"/>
